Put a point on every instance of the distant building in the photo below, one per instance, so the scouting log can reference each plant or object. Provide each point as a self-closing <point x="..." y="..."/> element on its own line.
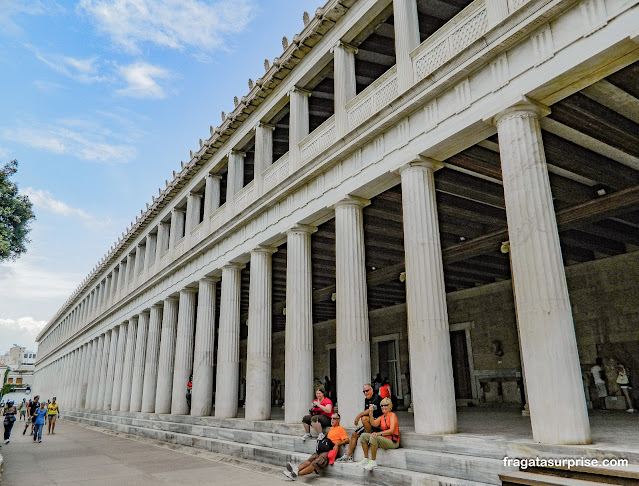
<point x="18" y="355"/>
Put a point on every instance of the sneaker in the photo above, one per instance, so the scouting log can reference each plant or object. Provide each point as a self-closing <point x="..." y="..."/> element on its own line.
<point x="363" y="462"/>
<point x="289" y="475"/>
<point x="293" y="470"/>
<point x="321" y="436"/>
<point x="306" y="436"/>
<point x="6" y="441"/>
<point x="39" y="441"/>
<point x="631" y="410"/>
<point x="371" y="465"/>
<point x="345" y="458"/>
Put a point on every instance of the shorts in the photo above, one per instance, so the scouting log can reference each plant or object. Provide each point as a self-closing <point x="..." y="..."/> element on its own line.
<point x="319" y="461"/>
<point x="322" y="419"/>
<point x="362" y="430"/>
<point x="602" y="391"/>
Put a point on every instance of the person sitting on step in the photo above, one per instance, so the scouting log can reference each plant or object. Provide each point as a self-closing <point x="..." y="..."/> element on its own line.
<point x="319" y="414"/>
<point x="371" y="400"/>
<point x="326" y="451"/>
<point x="388" y="438"/>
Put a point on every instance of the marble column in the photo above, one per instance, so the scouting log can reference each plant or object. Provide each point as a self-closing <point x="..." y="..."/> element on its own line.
<point x="140" y="250"/>
<point x="163" y="394"/>
<point x="122" y="284"/>
<point x="298" y="126"/>
<point x="94" y="373"/>
<point x="87" y="368"/>
<point x="258" y="346"/>
<point x="432" y="385"/>
<point x="211" y="194"/>
<point x="127" y="368"/>
<point x="98" y="404"/>
<point x="263" y="154"/>
<point x="406" y="40"/>
<point x="151" y="248"/>
<point x="558" y="411"/>
<point x="345" y="86"/>
<point x="193" y="205"/>
<point x="116" y="391"/>
<point x="137" y="381"/>
<point x="228" y="348"/>
<point x="149" y="388"/>
<point x="107" y="289"/>
<point x="352" y="328"/>
<point x="298" y="358"/>
<point x="114" y="358"/>
<point x="162" y="240"/>
<point x="177" y="226"/>
<point x="204" y="353"/>
<point x="235" y="178"/>
<point x="115" y="284"/>
<point x="76" y="384"/>
<point x="183" y="365"/>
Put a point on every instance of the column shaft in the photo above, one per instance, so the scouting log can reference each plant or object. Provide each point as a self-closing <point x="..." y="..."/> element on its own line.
<point x="113" y="360"/>
<point x="228" y="349"/>
<point x="183" y="366"/>
<point x="94" y="382"/>
<point x="353" y="344"/>
<point x="428" y="333"/>
<point x="406" y="40"/>
<point x="298" y="126"/>
<point x="127" y="368"/>
<point x="547" y="334"/>
<point x="104" y="365"/>
<point x="298" y="359"/>
<point x="345" y="87"/>
<point x="137" y="383"/>
<point x="211" y="194"/>
<point x="263" y="153"/>
<point x="149" y="389"/>
<point x="204" y="353"/>
<point x="258" y="347"/>
<point x="87" y="367"/>
<point x="166" y="361"/>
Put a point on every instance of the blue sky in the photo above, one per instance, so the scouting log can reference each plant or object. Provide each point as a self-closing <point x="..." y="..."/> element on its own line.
<point x="100" y="101"/>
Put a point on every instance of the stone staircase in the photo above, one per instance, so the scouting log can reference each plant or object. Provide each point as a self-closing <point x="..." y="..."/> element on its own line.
<point x="446" y="460"/>
<point x="575" y="476"/>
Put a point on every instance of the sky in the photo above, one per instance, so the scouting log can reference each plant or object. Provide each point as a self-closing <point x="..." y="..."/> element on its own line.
<point x="100" y="100"/>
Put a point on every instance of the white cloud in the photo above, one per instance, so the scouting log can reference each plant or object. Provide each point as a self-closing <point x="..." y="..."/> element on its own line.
<point x="47" y="86"/>
<point x="27" y="279"/>
<point x="45" y="200"/>
<point x="84" y="139"/>
<point x="11" y="9"/>
<point x="82" y="70"/>
<point x="21" y="331"/>
<point x="141" y="80"/>
<point x="176" y="24"/>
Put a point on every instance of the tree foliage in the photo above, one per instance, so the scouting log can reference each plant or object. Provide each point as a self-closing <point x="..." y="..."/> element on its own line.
<point x="16" y="213"/>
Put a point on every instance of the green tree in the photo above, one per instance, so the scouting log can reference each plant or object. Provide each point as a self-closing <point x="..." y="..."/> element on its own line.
<point x="16" y="213"/>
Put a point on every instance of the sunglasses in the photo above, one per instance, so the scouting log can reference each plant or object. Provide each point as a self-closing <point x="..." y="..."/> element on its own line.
<point x="334" y="418"/>
<point x="384" y="406"/>
<point x="366" y="391"/>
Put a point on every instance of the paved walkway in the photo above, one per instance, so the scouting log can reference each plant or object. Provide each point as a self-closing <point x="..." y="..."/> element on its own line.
<point x="80" y="455"/>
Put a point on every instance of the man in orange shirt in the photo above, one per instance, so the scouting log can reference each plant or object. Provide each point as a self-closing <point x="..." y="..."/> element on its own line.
<point x="318" y="461"/>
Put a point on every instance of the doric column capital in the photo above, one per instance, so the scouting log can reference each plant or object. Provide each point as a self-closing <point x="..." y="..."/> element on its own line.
<point x="422" y="163"/>
<point x="195" y="194"/>
<point x="302" y="228"/>
<point x="264" y="249"/>
<point x="233" y="266"/>
<point x="345" y="46"/>
<point x="171" y="298"/>
<point x="522" y="106"/>
<point x="188" y="290"/>
<point x="237" y="153"/>
<point x="157" y="305"/>
<point x="298" y="90"/>
<point x="209" y="279"/>
<point x="213" y="176"/>
<point x="352" y="201"/>
<point x="265" y="126"/>
<point x="178" y="210"/>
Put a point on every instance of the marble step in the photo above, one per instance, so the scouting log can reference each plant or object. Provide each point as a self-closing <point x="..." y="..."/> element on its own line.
<point x="460" y="467"/>
<point x="383" y="474"/>
<point x="534" y="479"/>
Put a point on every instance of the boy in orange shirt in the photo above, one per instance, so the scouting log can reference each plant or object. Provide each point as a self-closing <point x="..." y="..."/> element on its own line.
<point x="318" y="461"/>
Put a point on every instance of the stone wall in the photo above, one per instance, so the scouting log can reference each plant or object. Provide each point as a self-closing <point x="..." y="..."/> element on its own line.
<point x="605" y="301"/>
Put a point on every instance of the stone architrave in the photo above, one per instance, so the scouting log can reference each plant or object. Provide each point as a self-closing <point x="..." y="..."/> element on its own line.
<point x="149" y="388"/>
<point x="204" y="355"/>
<point x="163" y="393"/>
<point x="433" y="391"/>
<point x="127" y="368"/>
<point x="298" y="359"/>
<point x="137" y="383"/>
<point x="352" y="328"/>
<point x="228" y="349"/>
<point x="183" y="364"/>
<point x="558" y="410"/>
<point x="258" y="347"/>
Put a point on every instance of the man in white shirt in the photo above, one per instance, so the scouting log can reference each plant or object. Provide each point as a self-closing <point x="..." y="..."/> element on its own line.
<point x="598" y="377"/>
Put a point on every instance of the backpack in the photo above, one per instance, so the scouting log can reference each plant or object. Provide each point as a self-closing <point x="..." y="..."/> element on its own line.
<point x="324" y="445"/>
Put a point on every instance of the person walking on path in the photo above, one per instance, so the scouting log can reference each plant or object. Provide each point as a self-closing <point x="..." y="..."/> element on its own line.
<point x="39" y="420"/>
<point x="9" y="419"/>
<point x="22" y="408"/>
<point x="31" y="412"/>
<point x="53" y="411"/>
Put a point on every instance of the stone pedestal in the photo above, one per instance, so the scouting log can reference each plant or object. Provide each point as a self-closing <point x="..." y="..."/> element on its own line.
<point x="127" y="368"/>
<point x="203" y="355"/>
<point x="183" y="366"/>
<point x="432" y="386"/>
<point x="228" y="349"/>
<point x="298" y="360"/>
<point x="149" y="388"/>
<point x="352" y="329"/>
<point x="258" y="347"/>
<point x="137" y="382"/>
<point x="164" y="391"/>
<point x="548" y="344"/>
<point x="119" y="366"/>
